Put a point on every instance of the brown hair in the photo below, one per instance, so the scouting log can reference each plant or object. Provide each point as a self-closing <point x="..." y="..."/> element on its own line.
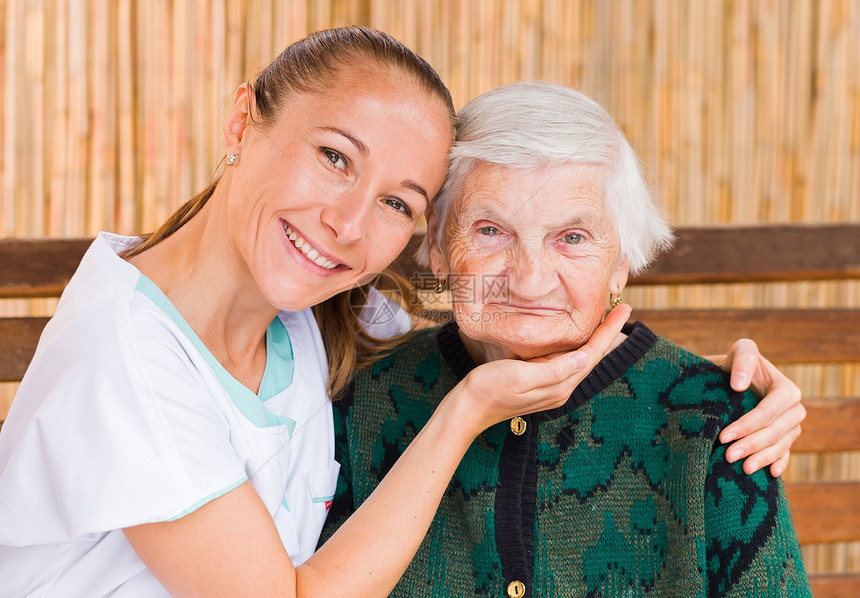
<point x="344" y="336"/>
<point x="309" y="66"/>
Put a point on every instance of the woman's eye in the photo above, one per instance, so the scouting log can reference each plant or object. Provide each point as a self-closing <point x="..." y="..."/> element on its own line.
<point x="572" y="238"/>
<point x="490" y="231"/>
<point x="337" y="159"/>
<point x="399" y="206"/>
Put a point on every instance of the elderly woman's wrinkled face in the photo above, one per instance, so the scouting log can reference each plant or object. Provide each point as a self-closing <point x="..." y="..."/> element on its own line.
<point x="532" y="255"/>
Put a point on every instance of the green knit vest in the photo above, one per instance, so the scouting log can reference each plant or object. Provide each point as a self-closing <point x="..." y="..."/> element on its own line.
<point x="624" y="491"/>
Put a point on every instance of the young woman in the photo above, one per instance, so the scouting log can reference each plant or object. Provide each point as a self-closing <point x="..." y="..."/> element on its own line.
<point x="174" y="433"/>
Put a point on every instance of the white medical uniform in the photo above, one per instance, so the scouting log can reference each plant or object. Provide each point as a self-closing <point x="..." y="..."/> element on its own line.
<point x="124" y="418"/>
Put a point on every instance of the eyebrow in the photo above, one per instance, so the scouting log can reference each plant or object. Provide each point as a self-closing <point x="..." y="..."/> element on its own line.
<point x="364" y="151"/>
<point x="417" y="188"/>
<point x="358" y="143"/>
<point x="587" y="220"/>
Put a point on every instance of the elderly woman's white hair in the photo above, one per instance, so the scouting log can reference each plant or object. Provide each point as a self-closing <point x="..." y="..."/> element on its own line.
<point x="533" y="124"/>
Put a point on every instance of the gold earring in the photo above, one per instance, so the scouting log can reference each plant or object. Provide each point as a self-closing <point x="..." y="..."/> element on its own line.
<point x="439" y="288"/>
<point x="232" y="159"/>
<point x="615" y="299"/>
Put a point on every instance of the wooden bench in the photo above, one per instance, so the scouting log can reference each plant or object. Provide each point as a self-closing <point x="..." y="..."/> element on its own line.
<point x="824" y="512"/>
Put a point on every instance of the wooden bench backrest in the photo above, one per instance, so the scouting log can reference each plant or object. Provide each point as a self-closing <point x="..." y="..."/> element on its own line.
<point x="823" y="512"/>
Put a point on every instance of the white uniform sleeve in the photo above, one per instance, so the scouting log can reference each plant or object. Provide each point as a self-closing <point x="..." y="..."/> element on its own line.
<point x="383" y="317"/>
<point x="120" y="429"/>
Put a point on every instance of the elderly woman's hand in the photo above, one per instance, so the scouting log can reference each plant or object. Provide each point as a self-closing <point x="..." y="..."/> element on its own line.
<point x="767" y="432"/>
<point x="503" y="389"/>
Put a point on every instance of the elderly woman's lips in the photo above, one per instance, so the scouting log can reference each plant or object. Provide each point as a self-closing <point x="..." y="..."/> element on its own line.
<point x="532" y="308"/>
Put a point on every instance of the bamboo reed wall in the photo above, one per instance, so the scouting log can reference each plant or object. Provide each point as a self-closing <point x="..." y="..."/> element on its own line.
<point x="744" y="112"/>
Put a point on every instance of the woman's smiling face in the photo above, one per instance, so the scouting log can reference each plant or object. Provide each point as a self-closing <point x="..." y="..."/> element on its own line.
<point x="329" y="195"/>
<point x="532" y="255"/>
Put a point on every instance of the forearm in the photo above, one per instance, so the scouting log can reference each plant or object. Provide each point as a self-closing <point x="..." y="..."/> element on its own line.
<point x="230" y="546"/>
<point x="370" y="552"/>
<point x="373" y="548"/>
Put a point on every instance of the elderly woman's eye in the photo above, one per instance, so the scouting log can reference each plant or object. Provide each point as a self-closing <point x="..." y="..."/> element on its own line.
<point x="572" y="238"/>
<point x="489" y="231"/>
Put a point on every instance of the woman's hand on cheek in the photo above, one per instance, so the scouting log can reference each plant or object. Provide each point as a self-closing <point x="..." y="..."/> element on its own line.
<point x="765" y="434"/>
<point x="500" y="390"/>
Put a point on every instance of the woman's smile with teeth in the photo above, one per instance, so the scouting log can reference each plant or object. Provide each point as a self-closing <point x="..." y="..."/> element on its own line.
<point x="305" y="247"/>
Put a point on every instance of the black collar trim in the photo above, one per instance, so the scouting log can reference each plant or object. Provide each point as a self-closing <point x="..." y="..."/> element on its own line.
<point x="639" y="340"/>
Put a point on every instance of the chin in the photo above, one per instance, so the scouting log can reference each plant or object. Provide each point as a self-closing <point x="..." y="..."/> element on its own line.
<point x="290" y="300"/>
<point x="523" y="336"/>
<point x="532" y="351"/>
<point x="534" y="341"/>
<point x="522" y="346"/>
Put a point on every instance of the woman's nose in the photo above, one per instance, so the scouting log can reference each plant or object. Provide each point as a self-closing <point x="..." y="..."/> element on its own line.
<point x="532" y="275"/>
<point x="346" y="217"/>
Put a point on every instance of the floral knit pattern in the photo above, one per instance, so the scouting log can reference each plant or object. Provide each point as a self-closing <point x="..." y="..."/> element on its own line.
<point x="623" y="491"/>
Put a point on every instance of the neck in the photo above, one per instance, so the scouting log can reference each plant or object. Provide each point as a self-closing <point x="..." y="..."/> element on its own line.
<point x="204" y="276"/>
<point x="482" y="352"/>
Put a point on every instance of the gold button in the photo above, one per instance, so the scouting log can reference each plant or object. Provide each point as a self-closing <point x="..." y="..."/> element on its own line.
<point x="516" y="589"/>
<point x="518" y="426"/>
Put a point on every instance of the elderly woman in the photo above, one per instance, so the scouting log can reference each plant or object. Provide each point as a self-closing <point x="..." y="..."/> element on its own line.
<point x="624" y="490"/>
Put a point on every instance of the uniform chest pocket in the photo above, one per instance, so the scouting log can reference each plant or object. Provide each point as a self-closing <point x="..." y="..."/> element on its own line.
<point x="305" y="507"/>
<point x="322" y="484"/>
